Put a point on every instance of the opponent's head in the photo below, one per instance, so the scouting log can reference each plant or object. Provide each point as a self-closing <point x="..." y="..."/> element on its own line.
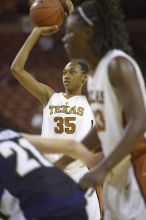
<point x="75" y="75"/>
<point x="94" y="28"/>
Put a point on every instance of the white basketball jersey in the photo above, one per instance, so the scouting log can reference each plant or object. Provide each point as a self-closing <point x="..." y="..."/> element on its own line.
<point x="105" y="104"/>
<point x="67" y="118"/>
<point x="71" y="119"/>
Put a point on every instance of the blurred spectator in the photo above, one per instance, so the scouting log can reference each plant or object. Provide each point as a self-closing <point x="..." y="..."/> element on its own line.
<point x="37" y="120"/>
<point x="14" y="7"/>
<point x="46" y="44"/>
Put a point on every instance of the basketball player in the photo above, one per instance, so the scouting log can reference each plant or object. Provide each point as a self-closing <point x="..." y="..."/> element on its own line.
<point x="65" y="115"/>
<point x="31" y="187"/>
<point x="95" y="32"/>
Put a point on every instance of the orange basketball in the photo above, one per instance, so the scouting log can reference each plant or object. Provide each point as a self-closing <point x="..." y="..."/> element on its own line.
<point x="45" y="13"/>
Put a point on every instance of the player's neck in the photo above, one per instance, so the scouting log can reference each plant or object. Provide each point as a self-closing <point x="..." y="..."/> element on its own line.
<point x="69" y="94"/>
<point x="92" y="65"/>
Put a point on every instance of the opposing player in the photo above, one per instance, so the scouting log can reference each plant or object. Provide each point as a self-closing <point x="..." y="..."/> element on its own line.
<point x="31" y="187"/>
<point x="65" y="115"/>
<point x="116" y="89"/>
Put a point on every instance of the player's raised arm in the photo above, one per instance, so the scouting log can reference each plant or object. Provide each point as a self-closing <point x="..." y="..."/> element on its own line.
<point x="73" y="149"/>
<point x="39" y="90"/>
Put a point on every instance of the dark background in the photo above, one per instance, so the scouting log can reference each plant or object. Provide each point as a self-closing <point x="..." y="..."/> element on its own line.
<point x="134" y="9"/>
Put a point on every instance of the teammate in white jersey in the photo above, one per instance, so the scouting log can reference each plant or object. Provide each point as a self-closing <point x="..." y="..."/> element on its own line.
<point x="116" y="89"/>
<point x="65" y="115"/>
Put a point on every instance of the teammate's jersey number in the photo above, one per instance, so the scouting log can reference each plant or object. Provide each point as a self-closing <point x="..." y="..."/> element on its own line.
<point x="24" y="164"/>
<point x="66" y="125"/>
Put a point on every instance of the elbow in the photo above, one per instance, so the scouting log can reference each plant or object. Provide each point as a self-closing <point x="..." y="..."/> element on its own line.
<point x="141" y="123"/>
<point x="15" y="69"/>
<point x="144" y="126"/>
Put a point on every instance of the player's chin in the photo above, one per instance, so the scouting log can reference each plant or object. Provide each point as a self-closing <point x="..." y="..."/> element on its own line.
<point x="66" y="86"/>
<point x="71" y="52"/>
<point x="73" y="56"/>
<point x="67" y="49"/>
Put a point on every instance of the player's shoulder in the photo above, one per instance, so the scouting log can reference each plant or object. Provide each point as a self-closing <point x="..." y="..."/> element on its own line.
<point x="56" y="95"/>
<point x="85" y="99"/>
<point x="82" y="99"/>
<point x="86" y="104"/>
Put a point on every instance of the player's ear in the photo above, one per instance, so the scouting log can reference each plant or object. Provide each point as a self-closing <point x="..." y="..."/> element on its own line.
<point x="84" y="79"/>
<point x="88" y="33"/>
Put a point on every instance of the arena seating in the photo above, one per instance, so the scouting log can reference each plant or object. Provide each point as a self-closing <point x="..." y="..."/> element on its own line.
<point x="17" y="106"/>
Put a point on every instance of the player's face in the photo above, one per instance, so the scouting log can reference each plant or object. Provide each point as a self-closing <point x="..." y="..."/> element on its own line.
<point x="73" y="78"/>
<point x="76" y="39"/>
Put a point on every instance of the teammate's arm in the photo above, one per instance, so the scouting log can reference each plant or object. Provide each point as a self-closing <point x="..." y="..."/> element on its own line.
<point x="91" y="142"/>
<point x="74" y="149"/>
<point x="39" y="90"/>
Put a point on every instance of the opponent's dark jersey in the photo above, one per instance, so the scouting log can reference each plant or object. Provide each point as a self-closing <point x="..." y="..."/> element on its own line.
<point x="35" y="186"/>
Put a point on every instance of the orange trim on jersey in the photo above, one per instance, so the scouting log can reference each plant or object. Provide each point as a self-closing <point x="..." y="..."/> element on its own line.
<point x="139" y="164"/>
<point x="99" y="191"/>
<point x="99" y="196"/>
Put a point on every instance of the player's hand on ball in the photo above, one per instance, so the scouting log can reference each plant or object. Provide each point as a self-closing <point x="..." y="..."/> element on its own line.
<point x="68" y="6"/>
<point x="46" y="31"/>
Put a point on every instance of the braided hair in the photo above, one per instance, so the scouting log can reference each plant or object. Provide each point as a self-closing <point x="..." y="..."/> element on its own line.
<point x="107" y="21"/>
<point x="83" y="66"/>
